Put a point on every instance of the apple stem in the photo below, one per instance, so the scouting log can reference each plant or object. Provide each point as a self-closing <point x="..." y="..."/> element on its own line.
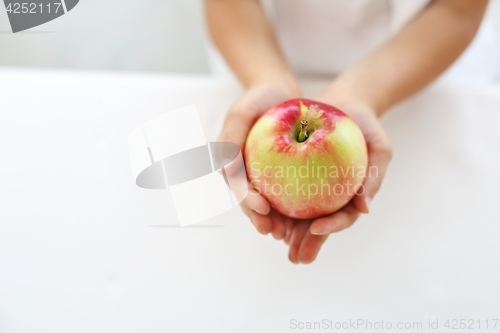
<point x="303" y="131"/>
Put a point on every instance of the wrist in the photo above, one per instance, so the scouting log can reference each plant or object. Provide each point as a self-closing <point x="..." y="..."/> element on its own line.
<point x="286" y="84"/>
<point x="343" y="95"/>
<point x="348" y="104"/>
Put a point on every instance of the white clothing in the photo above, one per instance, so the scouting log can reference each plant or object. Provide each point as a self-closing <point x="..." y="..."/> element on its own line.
<point x="325" y="37"/>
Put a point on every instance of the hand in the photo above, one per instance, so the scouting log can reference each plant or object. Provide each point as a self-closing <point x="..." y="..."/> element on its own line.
<point x="308" y="236"/>
<point x="239" y="120"/>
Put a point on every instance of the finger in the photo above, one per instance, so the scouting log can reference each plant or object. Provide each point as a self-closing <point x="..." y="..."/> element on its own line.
<point x="279" y="229"/>
<point x="245" y="112"/>
<point x="310" y="246"/>
<point x="335" y="222"/>
<point x="289" y="228"/>
<point x="256" y="202"/>
<point x="233" y="167"/>
<point x="262" y="223"/>
<point x="379" y="156"/>
<point x="299" y="230"/>
<point x="236" y="127"/>
<point x="241" y="189"/>
<point x="246" y="210"/>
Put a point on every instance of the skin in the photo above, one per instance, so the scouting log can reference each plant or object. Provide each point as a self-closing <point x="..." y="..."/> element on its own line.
<point x="405" y="64"/>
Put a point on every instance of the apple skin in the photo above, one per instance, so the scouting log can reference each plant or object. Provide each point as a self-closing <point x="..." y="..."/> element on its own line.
<point x="309" y="179"/>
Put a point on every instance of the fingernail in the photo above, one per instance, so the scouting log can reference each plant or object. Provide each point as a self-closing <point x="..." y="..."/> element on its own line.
<point x="255" y="210"/>
<point x="261" y="212"/>
<point x="318" y="232"/>
<point x="368" y="201"/>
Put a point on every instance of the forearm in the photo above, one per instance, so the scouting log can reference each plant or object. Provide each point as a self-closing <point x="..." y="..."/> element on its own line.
<point x="245" y="39"/>
<point x="419" y="53"/>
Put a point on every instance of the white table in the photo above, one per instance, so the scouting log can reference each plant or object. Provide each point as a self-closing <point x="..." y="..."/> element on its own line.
<point x="78" y="253"/>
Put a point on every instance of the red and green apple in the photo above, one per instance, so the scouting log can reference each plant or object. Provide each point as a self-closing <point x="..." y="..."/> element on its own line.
<point x="308" y="159"/>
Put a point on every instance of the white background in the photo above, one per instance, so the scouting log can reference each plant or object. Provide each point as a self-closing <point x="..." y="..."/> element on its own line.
<point x="77" y="250"/>
<point x="78" y="253"/>
<point x="145" y="35"/>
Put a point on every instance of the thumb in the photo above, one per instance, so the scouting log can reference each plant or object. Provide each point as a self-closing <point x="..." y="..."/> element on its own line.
<point x="379" y="156"/>
<point x="236" y="127"/>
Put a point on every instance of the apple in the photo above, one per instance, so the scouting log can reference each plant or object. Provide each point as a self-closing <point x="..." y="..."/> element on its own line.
<point x="308" y="159"/>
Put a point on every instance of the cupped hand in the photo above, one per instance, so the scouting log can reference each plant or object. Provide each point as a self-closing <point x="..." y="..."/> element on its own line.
<point x="239" y="120"/>
<point x="308" y="236"/>
<point x="305" y="237"/>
